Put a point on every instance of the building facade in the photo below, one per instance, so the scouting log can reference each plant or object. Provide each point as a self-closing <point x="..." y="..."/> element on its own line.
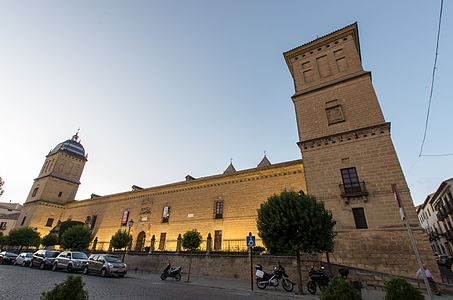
<point x="349" y="162"/>
<point x="9" y="213"/>
<point x="436" y="218"/>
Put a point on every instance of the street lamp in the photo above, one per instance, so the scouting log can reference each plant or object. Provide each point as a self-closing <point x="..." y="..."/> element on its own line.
<point x="129" y="225"/>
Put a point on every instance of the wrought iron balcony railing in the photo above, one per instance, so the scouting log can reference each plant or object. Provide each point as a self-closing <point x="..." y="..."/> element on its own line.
<point x="353" y="190"/>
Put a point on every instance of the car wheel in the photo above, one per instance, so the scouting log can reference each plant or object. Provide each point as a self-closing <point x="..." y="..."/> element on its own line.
<point x="103" y="272"/>
<point x="42" y="266"/>
<point x="55" y="267"/>
<point x="85" y="271"/>
<point x="70" y="268"/>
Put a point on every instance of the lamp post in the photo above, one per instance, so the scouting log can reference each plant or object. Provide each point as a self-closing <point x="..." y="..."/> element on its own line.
<point x="129" y="225"/>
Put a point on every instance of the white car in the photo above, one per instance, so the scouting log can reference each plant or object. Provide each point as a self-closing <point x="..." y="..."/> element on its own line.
<point x="23" y="259"/>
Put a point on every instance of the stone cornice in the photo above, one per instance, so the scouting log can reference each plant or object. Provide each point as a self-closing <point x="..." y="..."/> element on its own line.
<point x="44" y="203"/>
<point x="347" y="136"/>
<point x="58" y="177"/>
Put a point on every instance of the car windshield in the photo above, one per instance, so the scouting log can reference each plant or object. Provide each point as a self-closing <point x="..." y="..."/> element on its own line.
<point x="29" y="255"/>
<point x="79" y="255"/>
<point x="52" y="253"/>
<point x="111" y="258"/>
<point x="11" y="254"/>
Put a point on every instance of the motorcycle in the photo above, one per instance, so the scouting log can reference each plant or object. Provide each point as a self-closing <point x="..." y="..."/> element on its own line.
<point x="264" y="279"/>
<point x="318" y="277"/>
<point x="169" y="271"/>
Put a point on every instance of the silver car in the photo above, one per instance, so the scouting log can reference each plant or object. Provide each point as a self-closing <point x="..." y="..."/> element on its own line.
<point x="105" y="265"/>
<point x="23" y="259"/>
<point x="71" y="261"/>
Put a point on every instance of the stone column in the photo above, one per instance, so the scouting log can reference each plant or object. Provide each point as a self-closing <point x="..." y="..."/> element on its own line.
<point x="178" y="244"/>
<point x="152" y="245"/>
<point x="209" y="244"/>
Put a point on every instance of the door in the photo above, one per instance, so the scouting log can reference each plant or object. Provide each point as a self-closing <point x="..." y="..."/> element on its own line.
<point x="217" y="240"/>
<point x="140" y="242"/>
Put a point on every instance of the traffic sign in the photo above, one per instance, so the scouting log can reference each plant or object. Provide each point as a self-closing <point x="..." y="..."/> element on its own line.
<point x="250" y="241"/>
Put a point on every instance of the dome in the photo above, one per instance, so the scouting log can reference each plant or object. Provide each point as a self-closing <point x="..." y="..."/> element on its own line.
<point x="71" y="146"/>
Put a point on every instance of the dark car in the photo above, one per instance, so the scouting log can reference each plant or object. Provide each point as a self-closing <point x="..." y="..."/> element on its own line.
<point x="105" y="265"/>
<point x="71" y="261"/>
<point x="7" y="258"/>
<point x="43" y="258"/>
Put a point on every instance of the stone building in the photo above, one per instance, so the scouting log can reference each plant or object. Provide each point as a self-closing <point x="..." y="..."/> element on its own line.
<point x="349" y="162"/>
<point x="9" y="213"/>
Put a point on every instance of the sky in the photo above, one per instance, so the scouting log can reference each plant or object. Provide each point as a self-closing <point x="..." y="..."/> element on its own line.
<point x="163" y="89"/>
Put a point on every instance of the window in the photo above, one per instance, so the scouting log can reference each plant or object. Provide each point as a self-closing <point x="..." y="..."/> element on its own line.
<point x="163" y="236"/>
<point x="3" y="226"/>
<point x="166" y="214"/>
<point x="359" y="218"/>
<point x="218" y="240"/>
<point x="23" y="221"/>
<point x="49" y="222"/>
<point x="334" y="112"/>
<point x="351" y="186"/>
<point x="34" y="192"/>
<point x="59" y="194"/>
<point x="218" y="210"/>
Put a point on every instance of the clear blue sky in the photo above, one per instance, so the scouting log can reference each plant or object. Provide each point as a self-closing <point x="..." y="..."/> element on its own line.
<point x="162" y="89"/>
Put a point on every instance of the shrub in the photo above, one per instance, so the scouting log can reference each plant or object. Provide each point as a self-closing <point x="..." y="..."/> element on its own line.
<point x="400" y="289"/>
<point x="120" y="239"/>
<point x="70" y="289"/>
<point x="340" y="289"/>
<point x="77" y="237"/>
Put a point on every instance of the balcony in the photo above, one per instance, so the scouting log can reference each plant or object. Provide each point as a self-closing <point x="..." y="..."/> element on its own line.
<point x="357" y="189"/>
<point x="218" y="216"/>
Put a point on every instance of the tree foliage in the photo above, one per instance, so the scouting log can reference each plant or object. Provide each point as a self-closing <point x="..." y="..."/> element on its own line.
<point x="77" y="237"/>
<point x="23" y="237"/>
<point x="3" y="240"/>
<point x="70" y="289"/>
<point x="340" y="289"/>
<point x="2" y="182"/>
<point x="49" y="240"/>
<point x="191" y="240"/>
<point x="292" y="222"/>
<point x="400" y="289"/>
<point x="63" y="226"/>
<point x="120" y="239"/>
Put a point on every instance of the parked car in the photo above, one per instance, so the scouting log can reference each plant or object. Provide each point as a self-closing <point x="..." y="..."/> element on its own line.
<point x="23" y="259"/>
<point x="444" y="260"/>
<point x="71" y="261"/>
<point x="105" y="265"/>
<point x="43" y="258"/>
<point x="7" y="258"/>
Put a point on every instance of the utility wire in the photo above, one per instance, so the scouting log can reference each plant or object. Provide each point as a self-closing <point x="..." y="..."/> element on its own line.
<point x="432" y="80"/>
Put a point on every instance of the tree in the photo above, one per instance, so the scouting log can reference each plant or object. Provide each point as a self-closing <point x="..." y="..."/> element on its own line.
<point x="23" y="237"/>
<point x="49" y="240"/>
<point x="120" y="239"/>
<point x="3" y="240"/>
<point x="70" y="289"/>
<point x="340" y="289"/>
<point x="191" y="240"/>
<point x="77" y="237"/>
<point x="63" y="226"/>
<point x="2" y="182"/>
<point x="400" y="289"/>
<point x="293" y="223"/>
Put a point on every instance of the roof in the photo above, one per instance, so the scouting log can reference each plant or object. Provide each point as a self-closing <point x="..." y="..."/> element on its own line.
<point x="441" y="188"/>
<point x="72" y="147"/>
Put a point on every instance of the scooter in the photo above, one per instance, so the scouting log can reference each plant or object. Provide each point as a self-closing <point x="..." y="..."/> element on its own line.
<point x="169" y="271"/>
<point x="264" y="279"/>
<point x="317" y="277"/>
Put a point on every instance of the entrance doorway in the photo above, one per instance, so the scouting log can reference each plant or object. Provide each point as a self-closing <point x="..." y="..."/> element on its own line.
<point x="140" y="242"/>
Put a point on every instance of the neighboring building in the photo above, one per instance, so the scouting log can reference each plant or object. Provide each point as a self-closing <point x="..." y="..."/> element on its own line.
<point x="349" y="162"/>
<point x="436" y="218"/>
<point x="9" y="213"/>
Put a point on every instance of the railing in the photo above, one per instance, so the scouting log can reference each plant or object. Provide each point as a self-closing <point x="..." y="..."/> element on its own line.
<point x="353" y="190"/>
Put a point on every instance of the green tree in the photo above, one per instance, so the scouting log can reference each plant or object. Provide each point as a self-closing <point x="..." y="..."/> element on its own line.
<point x="70" y="289"/>
<point x="49" y="240"/>
<point x="191" y="240"/>
<point x="400" y="289"/>
<point x="77" y="237"/>
<point x="291" y="223"/>
<point x="340" y="289"/>
<point x="120" y="239"/>
<point x="3" y="240"/>
<point x="63" y="226"/>
<point x="23" y="237"/>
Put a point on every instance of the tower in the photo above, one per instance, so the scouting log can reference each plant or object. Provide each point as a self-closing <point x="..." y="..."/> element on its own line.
<point x="349" y="158"/>
<point x="55" y="186"/>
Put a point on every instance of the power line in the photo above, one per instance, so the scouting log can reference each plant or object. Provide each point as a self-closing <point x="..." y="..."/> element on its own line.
<point x="432" y="79"/>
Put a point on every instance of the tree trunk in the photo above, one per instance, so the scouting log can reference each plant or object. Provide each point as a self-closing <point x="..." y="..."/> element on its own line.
<point x="299" y="271"/>
<point x="329" y="265"/>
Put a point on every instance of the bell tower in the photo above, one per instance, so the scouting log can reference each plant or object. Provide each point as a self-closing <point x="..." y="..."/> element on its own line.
<point x="56" y="185"/>
<point x="349" y="159"/>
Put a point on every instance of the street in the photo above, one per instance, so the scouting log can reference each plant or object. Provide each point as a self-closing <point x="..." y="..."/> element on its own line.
<point x="26" y="283"/>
